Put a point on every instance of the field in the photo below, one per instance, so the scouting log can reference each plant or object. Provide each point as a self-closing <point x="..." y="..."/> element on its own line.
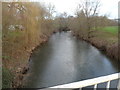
<point x="109" y="34"/>
<point x="111" y="29"/>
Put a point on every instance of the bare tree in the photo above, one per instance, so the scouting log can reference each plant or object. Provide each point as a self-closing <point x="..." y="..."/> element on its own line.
<point x="90" y="9"/>
<point x="51" y="10"/>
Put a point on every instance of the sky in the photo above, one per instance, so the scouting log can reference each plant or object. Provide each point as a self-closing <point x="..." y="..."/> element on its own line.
<point x="108" y="7"/>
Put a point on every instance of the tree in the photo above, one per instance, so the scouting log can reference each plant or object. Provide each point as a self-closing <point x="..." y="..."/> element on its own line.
<point x="89" y="9"/>
<point x="51" y="10"/>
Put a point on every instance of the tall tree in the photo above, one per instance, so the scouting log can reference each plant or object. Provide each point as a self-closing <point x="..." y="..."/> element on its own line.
<point x="90" y="8"/>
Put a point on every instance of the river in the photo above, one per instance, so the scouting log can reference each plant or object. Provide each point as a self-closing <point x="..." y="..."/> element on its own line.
<point x="65" y="59"/>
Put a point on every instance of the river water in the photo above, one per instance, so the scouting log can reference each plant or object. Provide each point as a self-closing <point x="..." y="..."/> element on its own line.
<point x="65" y="59"/>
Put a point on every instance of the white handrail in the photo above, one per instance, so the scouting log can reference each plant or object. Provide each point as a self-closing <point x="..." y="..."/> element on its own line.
<point x="90" y="82"/>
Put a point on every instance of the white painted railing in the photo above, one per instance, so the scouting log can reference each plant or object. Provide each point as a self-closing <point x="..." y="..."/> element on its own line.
<point x="94" y="81"/>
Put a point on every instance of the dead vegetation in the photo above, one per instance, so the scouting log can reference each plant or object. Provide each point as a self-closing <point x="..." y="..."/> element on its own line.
<point x="25" y="26"/>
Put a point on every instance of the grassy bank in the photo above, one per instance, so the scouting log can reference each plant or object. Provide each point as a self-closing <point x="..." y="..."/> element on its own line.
<point x="24" y="28"/>
<point x="105" y="39"/>
<point x="7" y="77"/>
<point x="109" y="34"/>
<point x="111" y="29"/>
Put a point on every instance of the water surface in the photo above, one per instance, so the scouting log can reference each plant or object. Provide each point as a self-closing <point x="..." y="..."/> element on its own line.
<point x="65" y="59"/>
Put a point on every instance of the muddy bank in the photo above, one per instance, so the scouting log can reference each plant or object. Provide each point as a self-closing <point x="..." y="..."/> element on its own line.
<point x="111" y="50"/>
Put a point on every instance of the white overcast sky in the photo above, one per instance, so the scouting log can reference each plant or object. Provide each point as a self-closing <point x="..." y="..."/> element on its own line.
<point x="108" y="7"/>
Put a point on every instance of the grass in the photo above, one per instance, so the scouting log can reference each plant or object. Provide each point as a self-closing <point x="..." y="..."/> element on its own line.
<point x="107" y="37"/>
<point x="109" y="33"/>
<point x="6" y="78"/>
<point x="111" y="29"/>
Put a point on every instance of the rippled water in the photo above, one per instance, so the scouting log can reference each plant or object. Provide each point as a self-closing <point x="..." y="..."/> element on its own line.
<point x="65" y="59"/>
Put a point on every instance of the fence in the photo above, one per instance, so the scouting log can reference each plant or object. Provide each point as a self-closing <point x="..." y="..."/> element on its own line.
<point x="94" y="81"/>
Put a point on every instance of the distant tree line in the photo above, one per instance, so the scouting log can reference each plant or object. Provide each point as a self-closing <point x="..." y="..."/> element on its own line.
<point x="86" y="20"/>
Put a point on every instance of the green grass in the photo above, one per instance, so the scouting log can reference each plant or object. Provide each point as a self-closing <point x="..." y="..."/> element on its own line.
<point x="109" y="33"/>
<point x="15" y="34"/>
<point x="111" y="29"/>
<point x="6" y="78"/>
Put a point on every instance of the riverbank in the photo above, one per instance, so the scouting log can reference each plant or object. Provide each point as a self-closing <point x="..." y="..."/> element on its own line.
<point x="21" y="33"/>
<point x="22" y="70"/>
<point x="104" y="42"/>
<point x="14" y="71"/>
